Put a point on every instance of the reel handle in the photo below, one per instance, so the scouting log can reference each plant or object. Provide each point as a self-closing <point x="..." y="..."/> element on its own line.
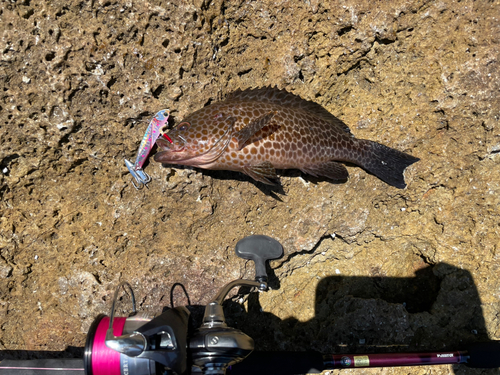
<point x="260" y="249"/>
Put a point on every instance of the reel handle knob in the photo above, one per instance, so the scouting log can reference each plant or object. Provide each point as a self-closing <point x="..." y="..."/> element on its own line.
<point x="260" y="249"/>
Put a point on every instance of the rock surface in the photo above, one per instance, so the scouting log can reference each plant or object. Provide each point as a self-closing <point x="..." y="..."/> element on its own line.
<point x="367" y="267"/>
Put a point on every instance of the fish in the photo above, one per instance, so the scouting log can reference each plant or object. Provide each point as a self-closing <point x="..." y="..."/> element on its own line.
<point x="259" y="131"/>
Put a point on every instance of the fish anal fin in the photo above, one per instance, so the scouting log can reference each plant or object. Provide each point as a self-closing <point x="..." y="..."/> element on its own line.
<point x="244" y="134"/>
<point x="263" y="172"/>
<point x="329" y="169"/>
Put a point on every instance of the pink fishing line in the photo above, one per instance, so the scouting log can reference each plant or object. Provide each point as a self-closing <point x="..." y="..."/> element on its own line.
<point x="106" y="361"/>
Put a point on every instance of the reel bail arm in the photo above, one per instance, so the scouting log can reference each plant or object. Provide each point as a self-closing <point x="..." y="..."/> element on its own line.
<point x="215" y="346"/>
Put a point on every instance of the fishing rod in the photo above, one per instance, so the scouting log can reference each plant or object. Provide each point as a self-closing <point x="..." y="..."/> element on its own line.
<point x="168" y="344"/>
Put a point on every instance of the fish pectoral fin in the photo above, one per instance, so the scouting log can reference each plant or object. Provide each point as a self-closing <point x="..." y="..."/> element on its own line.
<point x="329" y="169"/>
<point x="253" y="127"/>
<point x="262" y="172"/>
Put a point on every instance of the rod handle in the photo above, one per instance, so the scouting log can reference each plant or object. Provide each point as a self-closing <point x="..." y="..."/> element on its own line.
<point x="279" y="363"/>
<point x="484" y="355"/>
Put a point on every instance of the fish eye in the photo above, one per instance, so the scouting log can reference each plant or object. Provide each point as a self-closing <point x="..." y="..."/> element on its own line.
<point x="183" y="126"/>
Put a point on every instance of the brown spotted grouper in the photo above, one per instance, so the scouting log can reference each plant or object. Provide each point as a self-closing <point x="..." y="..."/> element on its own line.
<point x="259" y="131"/>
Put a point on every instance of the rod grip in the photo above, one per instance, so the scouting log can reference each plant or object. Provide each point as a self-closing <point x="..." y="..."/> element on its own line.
<point x="484" y="355"/>
<point x="279" y="363"/>
<point x="62" y="366"/>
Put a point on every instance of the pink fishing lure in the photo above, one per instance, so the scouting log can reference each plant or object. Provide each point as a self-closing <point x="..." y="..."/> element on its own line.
<point x="153" y="132"/>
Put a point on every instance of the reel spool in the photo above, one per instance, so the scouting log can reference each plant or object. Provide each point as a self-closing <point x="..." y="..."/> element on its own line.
<point x="139" y="344"/>
<point x="100" y="360"/>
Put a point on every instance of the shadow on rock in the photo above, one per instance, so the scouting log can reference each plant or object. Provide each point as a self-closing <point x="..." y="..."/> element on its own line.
<point x="437" y="310"/>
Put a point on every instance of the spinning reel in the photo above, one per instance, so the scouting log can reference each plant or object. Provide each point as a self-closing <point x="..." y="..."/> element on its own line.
<point x="140" y="345"/>
<point x="168" y="344"/>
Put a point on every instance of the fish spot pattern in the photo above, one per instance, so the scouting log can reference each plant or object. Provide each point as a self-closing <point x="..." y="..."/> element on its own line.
<point x="300" y="134"/>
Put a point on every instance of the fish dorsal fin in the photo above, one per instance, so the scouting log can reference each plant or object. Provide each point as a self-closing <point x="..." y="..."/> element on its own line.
<point x="284" y="98"/>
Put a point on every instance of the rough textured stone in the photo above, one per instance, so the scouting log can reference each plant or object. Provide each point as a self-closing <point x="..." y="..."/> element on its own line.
<point x="366" y="267"/>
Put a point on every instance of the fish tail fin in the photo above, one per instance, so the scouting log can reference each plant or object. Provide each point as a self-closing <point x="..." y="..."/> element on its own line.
<point x="386" y="163"/>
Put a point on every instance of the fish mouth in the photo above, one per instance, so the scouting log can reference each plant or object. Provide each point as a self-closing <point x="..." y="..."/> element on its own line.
<point x="169" y="146"/>
<point x="178" y="153"/>
<point x="170" y="152"/>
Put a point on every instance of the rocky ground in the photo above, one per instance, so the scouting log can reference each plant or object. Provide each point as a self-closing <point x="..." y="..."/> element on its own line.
<point x="367" y="267"/>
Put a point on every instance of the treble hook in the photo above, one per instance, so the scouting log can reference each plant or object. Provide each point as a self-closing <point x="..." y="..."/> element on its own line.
<point x="141" y="177"/>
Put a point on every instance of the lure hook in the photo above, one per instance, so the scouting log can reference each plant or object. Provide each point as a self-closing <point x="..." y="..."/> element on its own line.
<point x="140" y="177"/>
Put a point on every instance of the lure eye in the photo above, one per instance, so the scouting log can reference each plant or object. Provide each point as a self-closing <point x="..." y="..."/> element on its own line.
<point x="183" y="126"/>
